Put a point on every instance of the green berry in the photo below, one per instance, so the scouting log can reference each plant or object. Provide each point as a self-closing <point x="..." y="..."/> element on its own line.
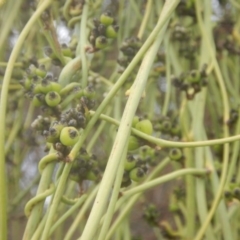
<point x="56" y="87"/>
<point x="175" y="154"/>
<point x="137" y="174"/>
<point x="145" y="126"/>
<point x="26" y="83"/>
<point x="69" y="136"/>
<point x="52" y="99"/>
<point x="193" y="76"/>
<point x="130" y="163"/>
<point x="89" y="92"/>
<point x="101" y="42"/>
<point x="52" y="135"/>
<point x="135" y="121"/>
<point x="93" y="174"/>
<point x="133" y="143"/>
<point x="38" y="100"/>
<point x="46" y="86"/>
<point x="111" y="31"/>
<point x="106" y="18"/>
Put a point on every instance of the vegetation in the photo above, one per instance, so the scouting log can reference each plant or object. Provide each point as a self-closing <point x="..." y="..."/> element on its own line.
<point x="119" y="119"/>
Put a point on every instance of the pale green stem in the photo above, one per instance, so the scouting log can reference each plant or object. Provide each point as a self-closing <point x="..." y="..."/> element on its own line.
<point x="226" y="232"/>
<point x="148" y="185"/>
<point x="145" y="19"/>
<point x="68" y="213"/>
<point x="166" y="143"/>
<point x="114" y="196"/>
<point x="81" y="214"/>
<point x="121" y="138"/>
<point x="83" y="42"/>
<point x="4" y="95"/>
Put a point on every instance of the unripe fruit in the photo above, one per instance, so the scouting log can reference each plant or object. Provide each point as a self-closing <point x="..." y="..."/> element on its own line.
<point x="52" y="99"/>
<point x="133" y="143"/>
<point x="137" y="174"/>
<point x="130" y="163"/>
<point x="193" y="77"/>
<point x="26" y="83"/>
<point x="69" y="136"/>
<point x="106" y="18"/>
<point x="46" y="86"/>
<point x="56" y="87"/>
<point x="135" y="121"/>
<point x="38" y="100"/>
<point x="175" y="154"/>
<point x="101" y="42"/>
<point x="145" y="126"/>
<point x="52" y="135"/>
<point x="92" y="174"/>
<point x="111" y="31"/>
<point x="89" y="92"/>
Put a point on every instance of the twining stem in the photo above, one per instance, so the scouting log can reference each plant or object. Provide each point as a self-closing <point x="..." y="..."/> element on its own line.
<point x="167" y="143"/>
<point x="124" y="129"/>
<point x="3" y="105"/>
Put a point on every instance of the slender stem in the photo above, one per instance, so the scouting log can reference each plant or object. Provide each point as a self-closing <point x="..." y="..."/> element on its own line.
<point x="122" y="135"/>
<point x="145" y="19"/>
<point x="114" y="196"/>
<point x="167" y="143"/>
<point x="83" y="41"/>
<point x="68" y="213"/>
<point x="165" y="178"/>
<point x="4" y="95"/>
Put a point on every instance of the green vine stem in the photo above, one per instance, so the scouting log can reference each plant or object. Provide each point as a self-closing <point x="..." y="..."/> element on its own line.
<point x="167" y="143"/>
<point x="124" y="131"/>
<point x="4" y="95"/>
<point x="227" y="231"/>
<point x="39" y="198"/>
<point x="52" y="157"/>
<point x="36" y="212"/>
<point x="69" y="70"/>
<point x="82" y="45"/>
<point x="114" y="196"/>
<point x="82" y="212"/>
<point x="127" y="207"/>
<point x="68" y="213"/>
<point x="148" y="185"/>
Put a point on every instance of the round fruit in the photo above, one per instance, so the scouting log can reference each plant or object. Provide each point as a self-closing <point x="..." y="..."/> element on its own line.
<point x="130" y="163"/>
<point x="135" y="121"/>
<point x="111" y="31"/>
<point x="106" y="18"/>
<point x="101" y="42"/>
<point x="69" y="136"/>
<point x="175" y="154"/>
<point x="137" y="174"/>
<point x="38" y="100"/>
<point x="133" y="143"/>
<point x="56" y="87"/>
<point x="145" y="126"/>
<point x="52" y="99"/>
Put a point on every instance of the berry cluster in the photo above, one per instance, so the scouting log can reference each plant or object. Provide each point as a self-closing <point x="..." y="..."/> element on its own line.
<point x="104" y="29"/>
<point x="232" y="191"/>
<point x="46" y="92"/>
<point x="85" y="167"/>
<point x="151" y="215"/>
<point x="144" y="126"/>
<point x="191" y="82"/>
<point x="67" y="51"/>
<point x="129" y="49"/>
<point x="136" y="165"/>
<point x="168" y="126"/>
